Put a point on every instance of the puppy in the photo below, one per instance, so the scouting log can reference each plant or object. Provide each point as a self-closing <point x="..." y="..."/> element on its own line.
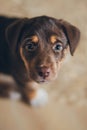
<point x="31" y="51"/>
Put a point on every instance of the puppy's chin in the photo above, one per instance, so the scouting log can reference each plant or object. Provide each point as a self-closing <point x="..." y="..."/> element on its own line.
<point x="42" y="80"/>
<point x="45" y="81"/>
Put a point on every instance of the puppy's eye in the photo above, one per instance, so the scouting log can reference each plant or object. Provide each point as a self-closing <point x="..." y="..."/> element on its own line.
<point x="57" y="47"/>
<point x="31" y="46"/>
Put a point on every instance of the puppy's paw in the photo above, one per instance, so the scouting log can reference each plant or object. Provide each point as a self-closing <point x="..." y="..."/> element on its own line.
<point x="40" y="99"/>
<point x="14" y="95"/>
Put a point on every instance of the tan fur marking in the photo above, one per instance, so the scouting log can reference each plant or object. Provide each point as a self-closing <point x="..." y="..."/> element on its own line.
<point x="53" y="39"/>
<point x="32" y="94"/>
<point x="29" y="92"/>
<point x="35" y="39"/>
<point x="23" y="58"/>
<point x="31" y="89"/>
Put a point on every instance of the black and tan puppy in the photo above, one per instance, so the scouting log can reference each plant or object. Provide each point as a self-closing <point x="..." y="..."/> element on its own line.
<point x="31" y="51"/>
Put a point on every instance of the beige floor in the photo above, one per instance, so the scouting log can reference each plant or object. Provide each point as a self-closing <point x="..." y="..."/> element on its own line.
<point x="67" y="107"/>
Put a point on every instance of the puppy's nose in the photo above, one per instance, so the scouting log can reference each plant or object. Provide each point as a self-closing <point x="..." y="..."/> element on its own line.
<point x="44" y="72"/>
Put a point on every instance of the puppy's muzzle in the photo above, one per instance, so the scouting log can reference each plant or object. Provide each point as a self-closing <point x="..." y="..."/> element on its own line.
<point x="44" y="72"/>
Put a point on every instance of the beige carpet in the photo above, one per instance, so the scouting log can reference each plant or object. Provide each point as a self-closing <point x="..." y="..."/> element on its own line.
<point x="67" y="107"/>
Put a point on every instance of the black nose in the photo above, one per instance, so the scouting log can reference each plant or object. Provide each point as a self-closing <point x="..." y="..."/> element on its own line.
<point x="44" y="72"/>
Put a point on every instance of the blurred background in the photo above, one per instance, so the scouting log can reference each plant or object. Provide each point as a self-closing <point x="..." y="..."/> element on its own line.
<point x="67" y="107"/>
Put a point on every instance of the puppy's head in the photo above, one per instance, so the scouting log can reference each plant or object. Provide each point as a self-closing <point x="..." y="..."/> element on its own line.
<point x="41" y="43"/>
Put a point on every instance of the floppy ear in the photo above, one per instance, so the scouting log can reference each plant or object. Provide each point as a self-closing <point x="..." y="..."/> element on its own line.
<point x="72" y="33"/>
<point x="13" y="32"/>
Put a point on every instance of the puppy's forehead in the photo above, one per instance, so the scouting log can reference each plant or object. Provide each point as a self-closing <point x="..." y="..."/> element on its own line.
<point x="44" y="28"/>
<point x="42" y="23"/>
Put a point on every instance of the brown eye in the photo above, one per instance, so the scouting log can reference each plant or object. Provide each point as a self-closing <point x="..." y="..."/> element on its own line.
<point x="57" y="47"/>
<point x="31" y="46"/>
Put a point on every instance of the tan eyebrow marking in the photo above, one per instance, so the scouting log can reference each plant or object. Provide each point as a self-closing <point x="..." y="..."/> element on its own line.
<point x="53" y="39"/>
<point x="34" y="39"/>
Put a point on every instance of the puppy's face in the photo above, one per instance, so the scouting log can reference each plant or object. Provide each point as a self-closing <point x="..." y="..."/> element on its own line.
<point x="42" y="53"/>
<point x="41" y="44"/>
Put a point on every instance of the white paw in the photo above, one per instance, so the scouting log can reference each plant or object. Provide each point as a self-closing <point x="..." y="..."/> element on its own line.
<point x="15" y="95"/>
<point x="40" y="99"/>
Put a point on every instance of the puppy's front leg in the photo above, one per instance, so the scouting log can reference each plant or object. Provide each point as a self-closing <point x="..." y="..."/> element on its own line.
<point x="34" y="95"/>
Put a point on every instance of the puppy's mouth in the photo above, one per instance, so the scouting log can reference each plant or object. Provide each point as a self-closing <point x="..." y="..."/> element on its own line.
<point x="42" y="81"/>
<point x="43" y="77"/>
